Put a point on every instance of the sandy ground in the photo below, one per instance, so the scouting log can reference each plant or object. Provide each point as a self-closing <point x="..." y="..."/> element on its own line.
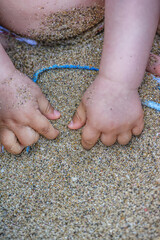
<point x="61" y="191"/>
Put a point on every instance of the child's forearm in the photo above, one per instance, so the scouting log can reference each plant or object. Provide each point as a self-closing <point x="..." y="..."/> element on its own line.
<point x="130" y="27"/>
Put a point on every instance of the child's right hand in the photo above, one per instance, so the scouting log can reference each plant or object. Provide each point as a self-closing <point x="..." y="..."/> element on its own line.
<point x="110" y="111"/>
<point x="24" y="113"/>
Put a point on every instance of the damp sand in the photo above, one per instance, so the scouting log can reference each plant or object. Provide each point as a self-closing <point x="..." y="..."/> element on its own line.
<point x="61" y="191"/>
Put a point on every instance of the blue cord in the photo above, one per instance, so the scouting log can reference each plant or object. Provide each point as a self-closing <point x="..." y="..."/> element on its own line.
<point x="155" y="78"/>
<point x="37" y="73"/>
<point x="152" y="104"/>
<point x="27" y="149"/>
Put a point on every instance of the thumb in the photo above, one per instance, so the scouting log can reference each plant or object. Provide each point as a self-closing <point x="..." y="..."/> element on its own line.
<point x="46" y="109"/>
<point x="79" y="118"/>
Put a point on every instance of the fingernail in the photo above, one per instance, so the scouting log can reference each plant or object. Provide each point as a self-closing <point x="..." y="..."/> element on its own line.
<point x="57" y="133"/>
<point x="70" y="124"/>
<point x="56" y="113"/>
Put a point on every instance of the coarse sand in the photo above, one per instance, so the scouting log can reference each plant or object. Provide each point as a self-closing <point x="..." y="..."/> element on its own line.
<point x="61" y="191"/>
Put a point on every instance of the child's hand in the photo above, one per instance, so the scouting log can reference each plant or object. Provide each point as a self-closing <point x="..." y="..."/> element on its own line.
<point x="24" y="113"/>
<point x="109" y="111"/>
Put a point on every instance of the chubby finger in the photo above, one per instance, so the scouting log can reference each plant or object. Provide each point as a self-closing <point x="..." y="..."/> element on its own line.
<point x="10" y="142"/>
<point x="108" y="139"/>
<point x="138" y="129"/>
<point x="26" y="136"/>
<point x="79" y="118"/>
<point x="46" y="108"/>
<point x="89" y="137"/>
<point x="41" y="124"/>
<point x="124" y="138"/>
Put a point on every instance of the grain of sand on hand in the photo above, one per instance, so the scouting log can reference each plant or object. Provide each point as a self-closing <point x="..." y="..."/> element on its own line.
<point x="61" y="191"/>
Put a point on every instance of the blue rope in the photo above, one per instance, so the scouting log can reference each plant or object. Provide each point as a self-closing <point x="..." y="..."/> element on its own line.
<point x="21" y="39"/>
<point x="40" y="71"/>
<point x="155" y="78"/>
<point x="152" y="104"/>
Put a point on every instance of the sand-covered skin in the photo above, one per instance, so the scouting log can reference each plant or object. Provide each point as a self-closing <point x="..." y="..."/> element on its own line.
<point x="61" y="191"/>
<point x="64" y="25"/>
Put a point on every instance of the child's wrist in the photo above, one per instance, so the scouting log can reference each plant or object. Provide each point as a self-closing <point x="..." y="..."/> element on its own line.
<point x="119" y="81"/>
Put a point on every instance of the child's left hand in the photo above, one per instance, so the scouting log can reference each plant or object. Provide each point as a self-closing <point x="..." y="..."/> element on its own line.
<point x="110" y="111"/>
